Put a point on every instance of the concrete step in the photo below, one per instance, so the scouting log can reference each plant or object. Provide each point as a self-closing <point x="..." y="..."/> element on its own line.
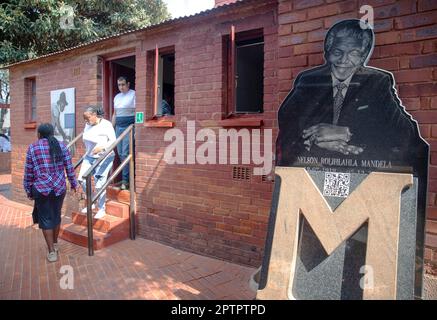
<point x="78" y="234"/>
<point x="105" y="224"/>
<point x="114" y="193"/>
<point x="117" y="209"/>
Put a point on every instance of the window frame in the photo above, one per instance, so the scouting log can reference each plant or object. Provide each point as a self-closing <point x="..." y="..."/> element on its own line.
<point x="31" y="102"/>
<point x="154" y="60"/>
<point x="230" y="44"/>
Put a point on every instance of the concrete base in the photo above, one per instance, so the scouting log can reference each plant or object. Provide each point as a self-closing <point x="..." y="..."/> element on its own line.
<point x="429" y="284"/>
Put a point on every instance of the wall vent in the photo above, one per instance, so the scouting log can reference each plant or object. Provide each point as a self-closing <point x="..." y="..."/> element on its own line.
<point x="76" y="71"/>
<point x="267" y="178"/>
<point x="241" y="173"/>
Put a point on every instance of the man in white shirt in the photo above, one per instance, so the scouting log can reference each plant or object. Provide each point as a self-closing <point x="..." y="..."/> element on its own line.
<point x="124" y="116"/>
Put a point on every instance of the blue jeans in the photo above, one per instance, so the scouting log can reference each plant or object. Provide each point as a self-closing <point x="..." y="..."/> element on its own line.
<point x="100" y="175"/>
<point x="121" y="124"/>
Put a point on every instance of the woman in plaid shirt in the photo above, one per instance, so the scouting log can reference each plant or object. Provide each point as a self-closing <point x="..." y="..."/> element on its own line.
<point x="47" y="160"/>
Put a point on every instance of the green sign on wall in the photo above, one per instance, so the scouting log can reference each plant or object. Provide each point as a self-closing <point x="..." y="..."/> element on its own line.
<point x="139" y="117"/>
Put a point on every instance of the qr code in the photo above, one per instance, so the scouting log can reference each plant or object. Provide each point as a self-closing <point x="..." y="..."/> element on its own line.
<point x="336" y="184"/>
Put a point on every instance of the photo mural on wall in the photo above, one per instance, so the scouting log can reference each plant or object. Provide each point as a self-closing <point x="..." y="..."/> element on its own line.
<point x="63" y="113"/>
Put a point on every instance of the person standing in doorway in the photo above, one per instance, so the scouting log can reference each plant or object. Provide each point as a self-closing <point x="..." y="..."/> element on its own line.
<point x="47" y="160"/>
<point x="124" y="116"/>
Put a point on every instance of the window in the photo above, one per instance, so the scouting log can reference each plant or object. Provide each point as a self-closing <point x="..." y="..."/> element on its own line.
<point x="244" y="71"/>
<point x="30" y="91"/>
<point x="162" y="62"/>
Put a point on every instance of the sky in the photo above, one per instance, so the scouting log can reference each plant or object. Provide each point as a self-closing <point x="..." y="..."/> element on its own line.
<point x="180" y="8"/>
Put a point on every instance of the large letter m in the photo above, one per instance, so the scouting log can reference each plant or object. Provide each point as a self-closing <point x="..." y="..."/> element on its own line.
<point x="376" y="201"/>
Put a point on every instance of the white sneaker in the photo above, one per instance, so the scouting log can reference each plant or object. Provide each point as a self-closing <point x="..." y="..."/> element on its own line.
<point x="100" y="214"/>
<point x="52" y="256"/>
<point x="92" y="207"/>
<point x="56" y="247"/>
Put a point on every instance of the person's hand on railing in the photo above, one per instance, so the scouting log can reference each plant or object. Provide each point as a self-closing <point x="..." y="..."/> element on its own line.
<point x="98" y="150"/>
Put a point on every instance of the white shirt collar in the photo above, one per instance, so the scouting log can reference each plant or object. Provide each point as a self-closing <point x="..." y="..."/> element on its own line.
<point x="335" y="81"/>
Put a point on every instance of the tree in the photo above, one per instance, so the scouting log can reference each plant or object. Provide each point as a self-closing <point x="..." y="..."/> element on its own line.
<point x="30" y="28"/>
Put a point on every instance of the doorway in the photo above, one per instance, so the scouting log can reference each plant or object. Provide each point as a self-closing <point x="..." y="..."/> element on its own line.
<point x="115" y="67"/>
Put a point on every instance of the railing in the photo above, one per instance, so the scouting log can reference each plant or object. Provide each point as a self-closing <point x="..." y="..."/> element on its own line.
<point x="71" y="144"/>
<point x="87" y="176"/>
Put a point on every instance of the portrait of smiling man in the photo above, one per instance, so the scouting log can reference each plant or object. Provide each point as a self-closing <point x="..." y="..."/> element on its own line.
<point x="345" y="109"/>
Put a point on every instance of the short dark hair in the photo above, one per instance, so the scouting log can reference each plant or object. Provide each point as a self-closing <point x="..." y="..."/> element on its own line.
<point x="98" y="110"/>
<point x="350" y="28"/>
<point x="121" y="78"/>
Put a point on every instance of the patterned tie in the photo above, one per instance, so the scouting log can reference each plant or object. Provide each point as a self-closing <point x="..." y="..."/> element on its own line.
<point x="338" y="102"/>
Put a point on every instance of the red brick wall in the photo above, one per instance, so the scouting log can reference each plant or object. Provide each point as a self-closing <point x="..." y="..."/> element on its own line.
<point x="200" y="208"/>
<point x="194" y="207"/>
<point x="5" y="162"/>
<point x="406" y="44"/>
<point x="49" y="76"/>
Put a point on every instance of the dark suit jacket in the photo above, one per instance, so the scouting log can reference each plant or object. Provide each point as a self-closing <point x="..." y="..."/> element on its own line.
<point x="370" y="109"/>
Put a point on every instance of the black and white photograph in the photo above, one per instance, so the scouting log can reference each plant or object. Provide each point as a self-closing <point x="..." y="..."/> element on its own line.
<point x="63" y="113"/>
<point x="344" y="113"/>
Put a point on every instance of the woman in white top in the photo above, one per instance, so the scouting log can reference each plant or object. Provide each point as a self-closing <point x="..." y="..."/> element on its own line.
<point x="98" y="135"/>
<point x="124" y="116"/>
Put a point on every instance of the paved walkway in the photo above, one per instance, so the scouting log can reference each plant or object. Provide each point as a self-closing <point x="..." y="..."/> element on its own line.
<point x="139" y="269"/>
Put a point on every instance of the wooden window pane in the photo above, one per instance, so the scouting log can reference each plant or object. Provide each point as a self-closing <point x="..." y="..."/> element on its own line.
<point x="33" y="99"/>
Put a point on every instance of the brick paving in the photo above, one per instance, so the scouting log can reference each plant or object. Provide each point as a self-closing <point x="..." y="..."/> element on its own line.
<point x="139" y="269"/>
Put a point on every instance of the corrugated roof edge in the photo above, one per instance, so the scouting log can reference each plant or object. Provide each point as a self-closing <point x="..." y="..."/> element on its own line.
<point x="164" y="23"/>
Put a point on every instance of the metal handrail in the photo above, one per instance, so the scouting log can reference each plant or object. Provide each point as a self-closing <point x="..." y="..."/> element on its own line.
<point x="72" y="142"/>
<point x="78" y="162"/>
<point x="88" y="174"/>
<point x="90" y="200"/>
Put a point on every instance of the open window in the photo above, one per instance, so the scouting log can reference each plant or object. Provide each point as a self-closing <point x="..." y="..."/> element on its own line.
<point x="162" y="64"/>
<point x="243" y="71"/>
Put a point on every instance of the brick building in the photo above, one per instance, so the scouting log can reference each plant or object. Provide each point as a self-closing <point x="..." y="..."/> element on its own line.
<point x="222" y="210"/>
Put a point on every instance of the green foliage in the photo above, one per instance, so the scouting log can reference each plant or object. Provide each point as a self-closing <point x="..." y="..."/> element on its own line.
<point x="30" y="28"/>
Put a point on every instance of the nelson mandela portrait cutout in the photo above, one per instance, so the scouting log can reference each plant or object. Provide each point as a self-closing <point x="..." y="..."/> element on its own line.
<point x="341" y="121"/>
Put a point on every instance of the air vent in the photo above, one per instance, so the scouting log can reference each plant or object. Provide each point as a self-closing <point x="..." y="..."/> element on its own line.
<point x="267" y="178"/>
<point x="241" y="173"/>
<point x="76" y="71"/>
